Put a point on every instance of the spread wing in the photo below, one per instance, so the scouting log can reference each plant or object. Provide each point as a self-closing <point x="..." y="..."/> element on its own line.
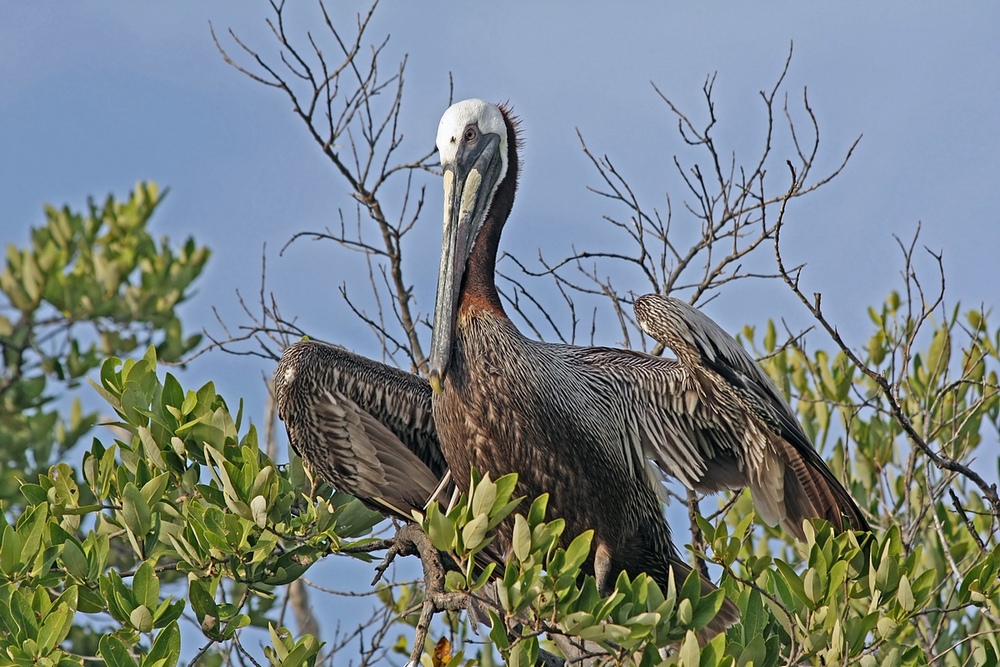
<point x="363" y="426"/>
<point x="713" y="419"/>
<point x="668" y="422"/>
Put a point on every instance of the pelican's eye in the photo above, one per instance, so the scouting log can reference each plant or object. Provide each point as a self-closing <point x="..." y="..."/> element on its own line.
<point x="470" y="134"/>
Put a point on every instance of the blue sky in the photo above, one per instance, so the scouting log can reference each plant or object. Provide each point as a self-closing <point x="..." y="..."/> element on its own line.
<point x="94" y="97"/>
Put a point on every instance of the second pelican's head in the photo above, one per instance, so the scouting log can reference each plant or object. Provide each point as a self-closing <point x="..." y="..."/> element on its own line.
<point x="473" y="141"/>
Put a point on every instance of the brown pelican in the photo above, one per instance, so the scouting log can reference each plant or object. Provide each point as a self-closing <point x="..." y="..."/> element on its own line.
<point x="593" y="427"/>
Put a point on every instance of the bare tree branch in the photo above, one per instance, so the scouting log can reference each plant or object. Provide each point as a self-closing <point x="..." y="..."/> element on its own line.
<point x="353" y="114"/>
<point x="888" y="389"/>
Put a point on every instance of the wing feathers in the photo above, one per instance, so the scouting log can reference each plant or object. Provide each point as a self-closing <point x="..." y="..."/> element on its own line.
<point x="365" y="427"/>
<point x="744" y="416"/>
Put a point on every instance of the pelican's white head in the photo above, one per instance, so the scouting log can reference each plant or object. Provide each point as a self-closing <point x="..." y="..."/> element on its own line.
<point x="478" y="115"/>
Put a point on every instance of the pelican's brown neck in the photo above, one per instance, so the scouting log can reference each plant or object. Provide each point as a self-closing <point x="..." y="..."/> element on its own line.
<point x="479" y="290"/>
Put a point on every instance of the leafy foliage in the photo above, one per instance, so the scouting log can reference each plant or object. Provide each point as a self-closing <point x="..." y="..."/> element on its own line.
<point x="88" y="286"/>
<point x="183" y="514"/>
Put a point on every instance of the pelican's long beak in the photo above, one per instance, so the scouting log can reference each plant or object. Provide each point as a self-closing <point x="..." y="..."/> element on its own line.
<point x="469" y="184"/>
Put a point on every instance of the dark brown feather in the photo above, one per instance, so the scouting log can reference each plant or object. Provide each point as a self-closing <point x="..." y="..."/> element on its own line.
<point x="364" y="427"/>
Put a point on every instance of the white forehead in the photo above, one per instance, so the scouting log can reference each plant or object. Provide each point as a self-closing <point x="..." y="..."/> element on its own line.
<point x="459" y="116"/>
